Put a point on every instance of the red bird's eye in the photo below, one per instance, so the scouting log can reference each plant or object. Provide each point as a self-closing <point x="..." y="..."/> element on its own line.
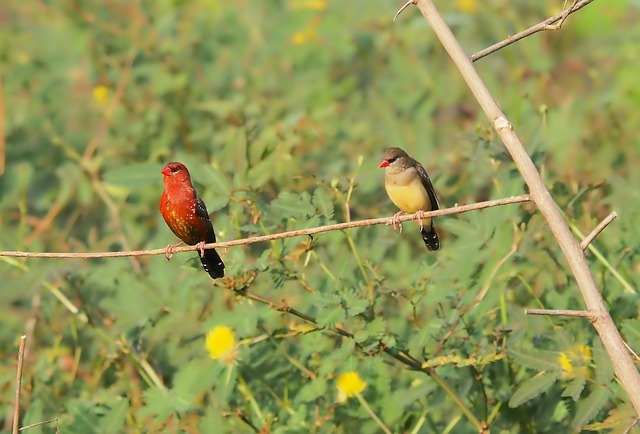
<point x="175" y="169"/>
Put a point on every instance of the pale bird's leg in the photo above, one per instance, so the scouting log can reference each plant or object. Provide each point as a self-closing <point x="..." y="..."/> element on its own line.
<point x="168" y="251"/>
<point x="395" y="221"/>
<point x="200" y="247"/>
<point x="418" y="215"/>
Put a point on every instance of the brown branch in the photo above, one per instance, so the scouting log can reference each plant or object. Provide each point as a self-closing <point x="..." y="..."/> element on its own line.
<point x="552" y="23"/>
<point x="547" y="24"/>
<point x="278" y="236"/>
<point x="562" y="312"/>
<point x="596" y="231"/>
<point x="613" y="343"/>
<point x="16" y="404"/>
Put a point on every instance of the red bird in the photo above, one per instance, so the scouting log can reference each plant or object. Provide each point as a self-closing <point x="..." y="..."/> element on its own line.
<point x="187" y="216"/>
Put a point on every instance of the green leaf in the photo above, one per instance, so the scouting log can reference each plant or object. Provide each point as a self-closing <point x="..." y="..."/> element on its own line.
<point x="353" y="302"/>
<point x="560" y="412"/>
<point x="323" y="202"/>
<point x="532" y="388"/>
<point x="134" y="175"/>
<point x="85" y="419"/>
<point x="158" y="404"/>
<point x="587" y="408"/>
<point x="376" y="328"/>
<point x="288" y="205"/>
<point x="574" y="389"/>
<point x="191" y="380"/>
<point x="312" y="390"/>
<point x="603" y="366"/>
<point x="535" y="359"/>
<point x="329" y="300"/>
<point x="329" y="316"/>
<point x="215" y="180"/>
<point x="114" y="419"/>
<point x="360" y="336"/>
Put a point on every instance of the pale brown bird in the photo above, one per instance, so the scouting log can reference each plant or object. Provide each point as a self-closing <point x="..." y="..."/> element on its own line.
<point x="410" y="189"/>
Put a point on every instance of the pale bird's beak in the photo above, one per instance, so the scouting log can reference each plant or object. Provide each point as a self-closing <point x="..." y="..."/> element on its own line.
<point x="383" y="163"/>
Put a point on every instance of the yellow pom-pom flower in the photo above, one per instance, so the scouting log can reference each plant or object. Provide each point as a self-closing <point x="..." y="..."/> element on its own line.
<point x="575" y="361"/>
<point x="101" y="94"/>
<point x="468" y="6"/>
<point x="221" y="344"/>
<point x="349" y="385"/>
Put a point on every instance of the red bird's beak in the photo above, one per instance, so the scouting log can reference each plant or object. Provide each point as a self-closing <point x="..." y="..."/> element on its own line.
<point x="166" y="171"/>
<point x="383" y="163"/>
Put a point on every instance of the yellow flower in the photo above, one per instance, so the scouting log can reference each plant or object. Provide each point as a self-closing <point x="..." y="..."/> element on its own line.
<point x="349" y="384"/>
<point x="314" y="5"/>
<point x="101" y="94"/>
<point x="575" y="361"/>
<point x="467" y="6"/>
<point x="299" y="38"/>
<point x="221" y="344"/>
<point x="308" y="35"/>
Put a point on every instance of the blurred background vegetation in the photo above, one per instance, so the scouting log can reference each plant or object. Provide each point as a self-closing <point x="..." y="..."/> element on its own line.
<point x="281" y="109"/>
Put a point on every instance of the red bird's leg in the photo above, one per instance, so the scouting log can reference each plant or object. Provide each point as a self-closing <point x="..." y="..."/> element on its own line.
<point x="395" y="221"/>
<point x="200" y="247"/>
<point x="168" y="251"/>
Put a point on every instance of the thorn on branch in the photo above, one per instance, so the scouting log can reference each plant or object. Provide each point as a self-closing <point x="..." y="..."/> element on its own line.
<point x="633" y="353"/>
<point x="596" y="231"/>
<point x="565" y="14"/>
<point x="406" y="5"/>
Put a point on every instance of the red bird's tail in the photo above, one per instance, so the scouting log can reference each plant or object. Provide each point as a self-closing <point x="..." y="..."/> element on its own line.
<point x="212" y="263"/>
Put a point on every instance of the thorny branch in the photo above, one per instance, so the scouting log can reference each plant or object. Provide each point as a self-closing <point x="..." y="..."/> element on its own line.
<point x="552" y="23"/>
<point x="621" y="360"/>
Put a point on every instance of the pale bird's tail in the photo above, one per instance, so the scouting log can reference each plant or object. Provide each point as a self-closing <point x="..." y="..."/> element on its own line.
<point x="430" y="238"/>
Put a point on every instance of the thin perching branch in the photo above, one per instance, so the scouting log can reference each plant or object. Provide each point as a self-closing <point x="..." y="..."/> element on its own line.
<point x="278" y="236"/>
<point x="613" y="343"/>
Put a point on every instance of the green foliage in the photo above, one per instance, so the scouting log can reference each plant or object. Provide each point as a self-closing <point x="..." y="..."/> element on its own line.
<point x="281" y="110"/>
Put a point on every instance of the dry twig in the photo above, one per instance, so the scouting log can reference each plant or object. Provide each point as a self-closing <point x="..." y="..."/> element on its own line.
<point x="552" y="23"/>
<point x="561" y="312"/>
<point x="16" y="404"/>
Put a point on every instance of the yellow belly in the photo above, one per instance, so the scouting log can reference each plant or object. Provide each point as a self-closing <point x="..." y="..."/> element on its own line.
<point x="410" y="198"/>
